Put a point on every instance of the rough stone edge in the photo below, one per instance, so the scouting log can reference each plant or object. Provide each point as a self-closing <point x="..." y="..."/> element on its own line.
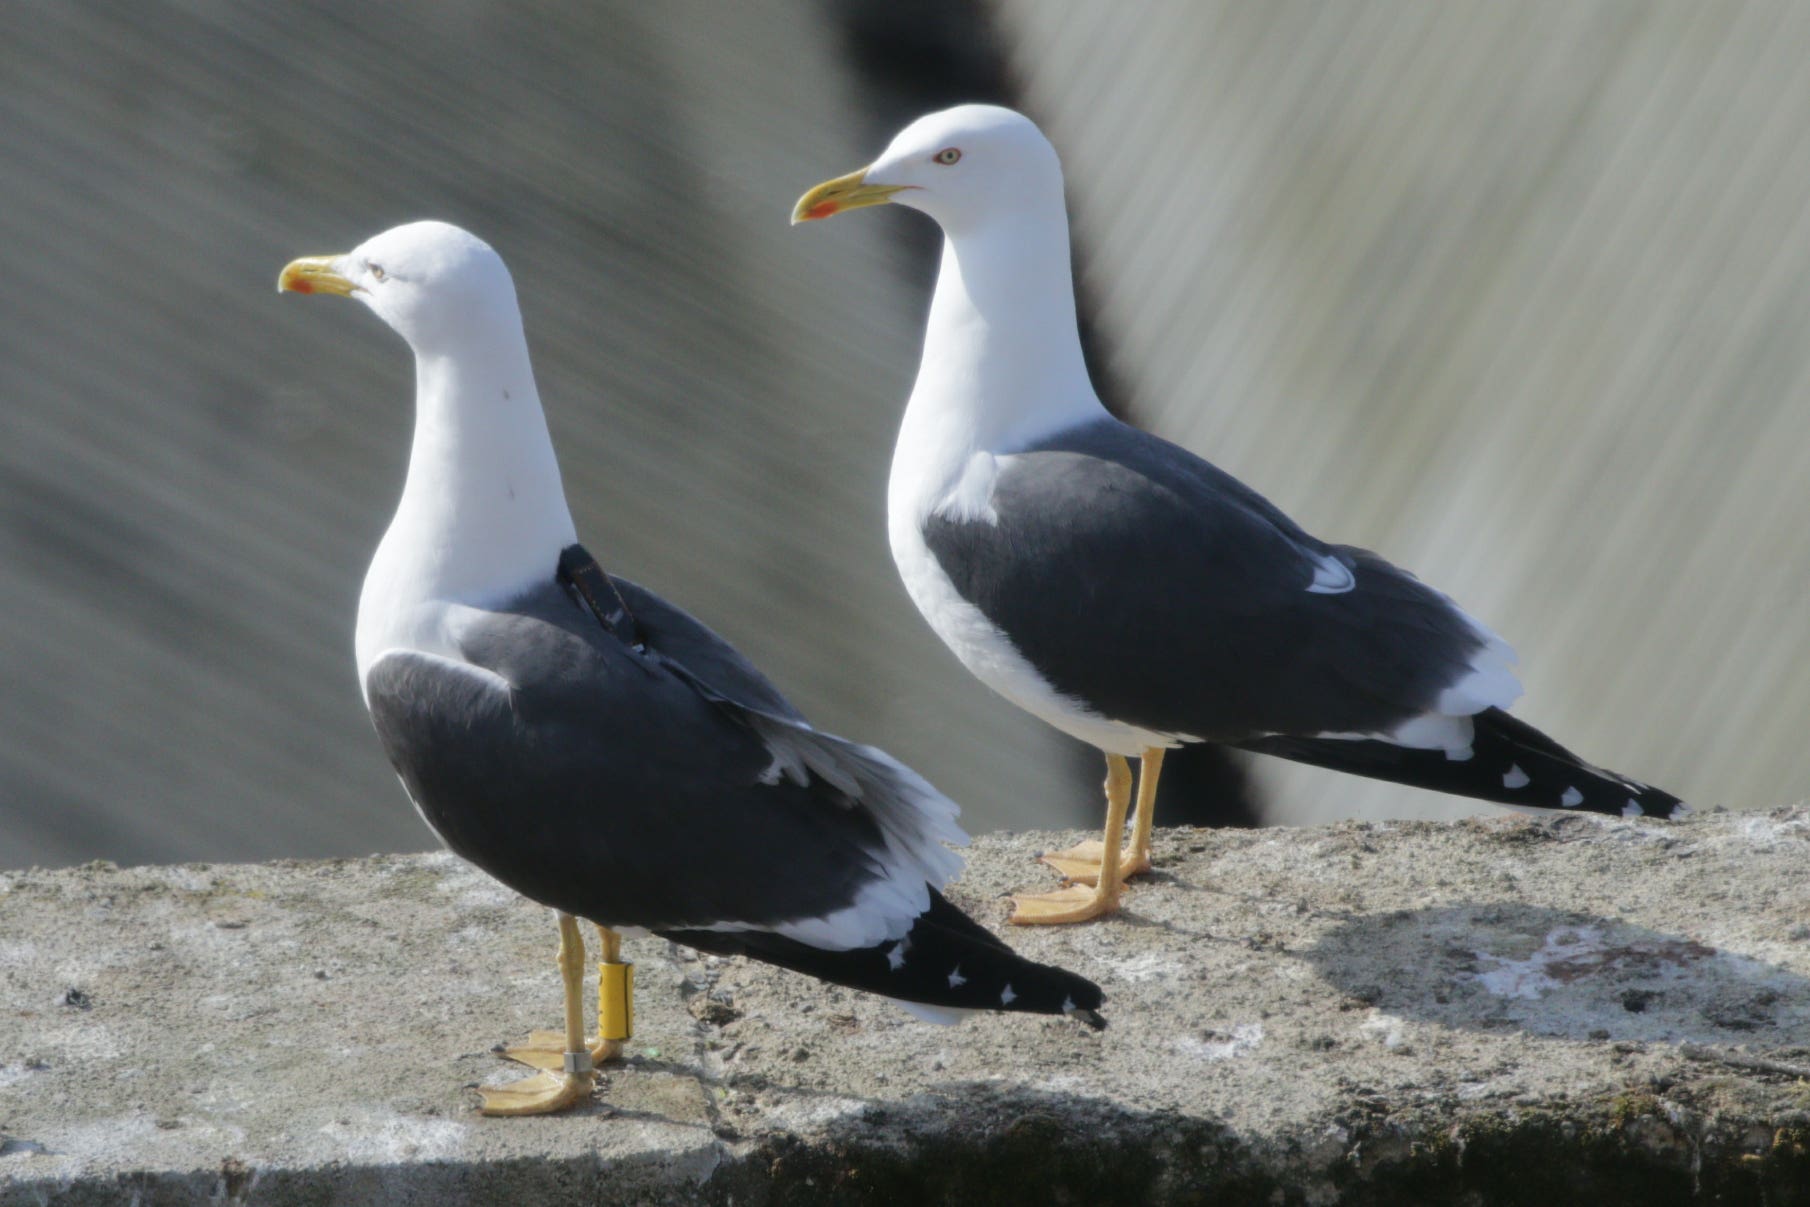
<point x="978" y="1146"/>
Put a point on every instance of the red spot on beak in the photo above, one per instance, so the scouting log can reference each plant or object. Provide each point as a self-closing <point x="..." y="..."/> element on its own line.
<point x="823" y="209"/>
<point x="299" y="285"/>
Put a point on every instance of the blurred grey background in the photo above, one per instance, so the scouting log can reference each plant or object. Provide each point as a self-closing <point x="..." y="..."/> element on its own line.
<point x="1516" y="294"/>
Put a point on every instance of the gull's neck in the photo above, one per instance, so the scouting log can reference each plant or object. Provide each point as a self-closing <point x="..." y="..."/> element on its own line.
<point x="1002" y="361"/>
<point x="483" y="514"/>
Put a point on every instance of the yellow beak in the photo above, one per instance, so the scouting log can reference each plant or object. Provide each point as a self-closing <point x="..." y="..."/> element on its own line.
<point x="313" y="274"/>
<point x="850" y="192"/>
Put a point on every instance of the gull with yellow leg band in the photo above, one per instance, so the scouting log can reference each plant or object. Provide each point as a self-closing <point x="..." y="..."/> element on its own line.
<point x="598" y="749"/>
<point x="615" y="997"/>
<point x="569" y="1052"/>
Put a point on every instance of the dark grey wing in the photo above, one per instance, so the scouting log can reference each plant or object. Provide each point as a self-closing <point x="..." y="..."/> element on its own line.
<point x="603" y="782"/>
<point x="1162" y="592"/>
<point x="635" y="805"/>
<point x="686" y="641"/>
<point x="914" y="816"/>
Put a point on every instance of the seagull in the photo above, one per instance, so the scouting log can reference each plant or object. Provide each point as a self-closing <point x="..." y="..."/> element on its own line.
<point x="597" y="749"/>
<point x="1123" y="589"/>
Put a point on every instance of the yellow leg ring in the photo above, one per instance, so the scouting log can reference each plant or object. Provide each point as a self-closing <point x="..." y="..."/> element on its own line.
<point x="615" y="1001"/>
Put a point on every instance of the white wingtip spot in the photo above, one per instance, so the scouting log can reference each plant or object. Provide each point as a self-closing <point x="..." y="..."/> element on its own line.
<point x="956" y="977"/>
<point x="1459" y="754"/>
<point x="895" y="955"/>
<point x="1006" y="996"/>
<point x="1515" y="778"/>
<point x="1572" y="798"/>
<point x="1632" y="809"/>
<point x="1068" y="1005"/>
<point x="1331" y="576"/>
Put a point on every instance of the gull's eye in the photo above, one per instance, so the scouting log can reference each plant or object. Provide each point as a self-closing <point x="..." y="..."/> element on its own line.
<point x="948" y="155"/>
<point x="377" y="271"/>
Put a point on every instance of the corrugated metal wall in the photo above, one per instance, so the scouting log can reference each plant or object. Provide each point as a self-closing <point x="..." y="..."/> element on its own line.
<point x="193" y="470"/>
<point x="1517" y="294"/>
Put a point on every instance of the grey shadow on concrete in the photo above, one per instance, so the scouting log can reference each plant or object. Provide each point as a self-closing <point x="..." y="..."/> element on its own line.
<point x="1566" y="974"/>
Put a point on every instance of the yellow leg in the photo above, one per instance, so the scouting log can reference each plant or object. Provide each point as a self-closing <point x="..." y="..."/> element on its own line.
<point x="1081" y="862"/>
<point x="552" y="1090"/>
<point x="1150" y="769"/>
<point x="1078" y="903"/>
<point x="615" y="1001"/>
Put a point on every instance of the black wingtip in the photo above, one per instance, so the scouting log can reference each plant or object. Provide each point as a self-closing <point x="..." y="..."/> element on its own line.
<point x="946" y="960"/>
<point x="1510" y="763"/>
<point x="1091" y="1017"/>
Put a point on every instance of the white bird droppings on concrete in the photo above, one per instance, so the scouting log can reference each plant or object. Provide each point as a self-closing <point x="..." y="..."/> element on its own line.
<point x="388" y="1138"/>
<point x="1147" y="966"/>
<point x="1245" y="1037"/>
<point x="1386" y="1029"/>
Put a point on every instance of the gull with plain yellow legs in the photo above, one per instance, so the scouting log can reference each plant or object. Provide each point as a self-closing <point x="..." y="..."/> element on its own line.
<point x="1126" y="591"/>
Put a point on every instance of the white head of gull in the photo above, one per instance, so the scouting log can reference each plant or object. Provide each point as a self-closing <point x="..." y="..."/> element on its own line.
<point x="483" y="513"/>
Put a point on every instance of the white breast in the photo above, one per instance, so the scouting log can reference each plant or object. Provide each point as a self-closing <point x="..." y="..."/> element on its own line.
<point x="987" y="652"/>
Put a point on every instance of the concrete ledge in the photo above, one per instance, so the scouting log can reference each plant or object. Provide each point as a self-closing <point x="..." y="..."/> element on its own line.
<point x="1503" y="1011"/>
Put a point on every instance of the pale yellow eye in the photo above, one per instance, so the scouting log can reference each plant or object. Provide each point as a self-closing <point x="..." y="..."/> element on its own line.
<point x="377" y="271"/>
<point x="949" y="155"/>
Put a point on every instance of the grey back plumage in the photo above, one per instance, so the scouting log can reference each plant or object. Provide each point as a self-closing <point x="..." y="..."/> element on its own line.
<point x="1161" y="591"/>
<point x="576" y="739"/>
<point x="667" y="784"/>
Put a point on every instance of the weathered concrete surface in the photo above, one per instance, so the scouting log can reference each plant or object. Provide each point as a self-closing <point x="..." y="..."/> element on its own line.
<point x="1502" y="1011"/>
